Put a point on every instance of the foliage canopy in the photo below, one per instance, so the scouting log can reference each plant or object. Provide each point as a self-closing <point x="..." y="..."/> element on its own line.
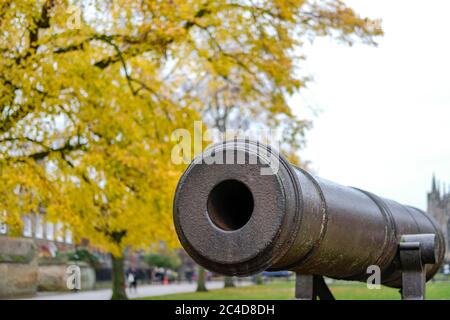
<point x="90" y="92"/>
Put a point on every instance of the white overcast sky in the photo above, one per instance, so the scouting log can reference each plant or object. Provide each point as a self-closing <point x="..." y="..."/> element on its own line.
<point x="384" y="123"/>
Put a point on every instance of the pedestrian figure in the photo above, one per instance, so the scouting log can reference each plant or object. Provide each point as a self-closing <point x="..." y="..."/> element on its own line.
<point x="132" y="281"/>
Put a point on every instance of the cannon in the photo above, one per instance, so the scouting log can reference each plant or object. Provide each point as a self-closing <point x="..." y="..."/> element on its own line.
<point x="241" y="208"/>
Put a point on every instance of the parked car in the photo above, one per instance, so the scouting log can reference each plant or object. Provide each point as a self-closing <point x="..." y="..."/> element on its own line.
<point x="276" y="274"/>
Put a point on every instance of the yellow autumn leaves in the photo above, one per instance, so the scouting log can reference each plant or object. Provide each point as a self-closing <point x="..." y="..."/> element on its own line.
<point x="88" y="103"/>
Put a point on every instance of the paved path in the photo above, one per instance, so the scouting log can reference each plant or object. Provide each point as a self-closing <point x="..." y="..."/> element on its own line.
<point x="143" y="291"/>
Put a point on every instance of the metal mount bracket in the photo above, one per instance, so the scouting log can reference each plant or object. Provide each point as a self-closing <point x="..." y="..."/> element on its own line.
<point x="416" y="250"/>
<point x="311" y="287"/>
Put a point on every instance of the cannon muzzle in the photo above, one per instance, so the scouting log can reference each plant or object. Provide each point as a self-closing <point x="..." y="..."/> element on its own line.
<point x="241" y="208"/>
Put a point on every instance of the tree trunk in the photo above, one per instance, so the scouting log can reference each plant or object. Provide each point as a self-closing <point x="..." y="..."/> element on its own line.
<point x="228" y="282"/>
<point x="118" y="279"/>
<point x="259" y="279"/>
<point x="201" y="281"/>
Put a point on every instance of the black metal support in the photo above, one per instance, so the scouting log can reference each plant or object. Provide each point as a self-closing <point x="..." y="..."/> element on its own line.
<point x="416" y="250"/>
<point x="311" y="287"/>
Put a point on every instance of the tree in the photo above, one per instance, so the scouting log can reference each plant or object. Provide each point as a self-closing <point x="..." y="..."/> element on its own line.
<point x="228" y="282"/>
<point x="167" y="260"/>
<point x="83" y="255"/>
<point x="201" y="280"/>
<point x="248" y="81"/>
<point x="90" y="92"/>
<point x="254" y="62"/>
<point x="85" y="117"/>
<point x="259" y="279"/>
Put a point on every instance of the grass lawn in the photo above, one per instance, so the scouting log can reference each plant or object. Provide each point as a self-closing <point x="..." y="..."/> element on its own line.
<point x="282" y="290"/>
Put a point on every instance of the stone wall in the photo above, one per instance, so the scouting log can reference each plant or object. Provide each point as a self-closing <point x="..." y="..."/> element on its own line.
<point x="53" y="277"/>
<point x="18" y="267"/>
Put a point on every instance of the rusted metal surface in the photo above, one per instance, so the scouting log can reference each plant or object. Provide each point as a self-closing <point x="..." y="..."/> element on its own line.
<point x="233" y="220"/>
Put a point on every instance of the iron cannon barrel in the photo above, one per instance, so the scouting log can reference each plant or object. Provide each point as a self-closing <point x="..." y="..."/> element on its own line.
<point x="241" y="208"/>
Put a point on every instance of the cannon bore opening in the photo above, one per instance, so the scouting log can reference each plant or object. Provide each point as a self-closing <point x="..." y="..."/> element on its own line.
<point x="230" y="205"/>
